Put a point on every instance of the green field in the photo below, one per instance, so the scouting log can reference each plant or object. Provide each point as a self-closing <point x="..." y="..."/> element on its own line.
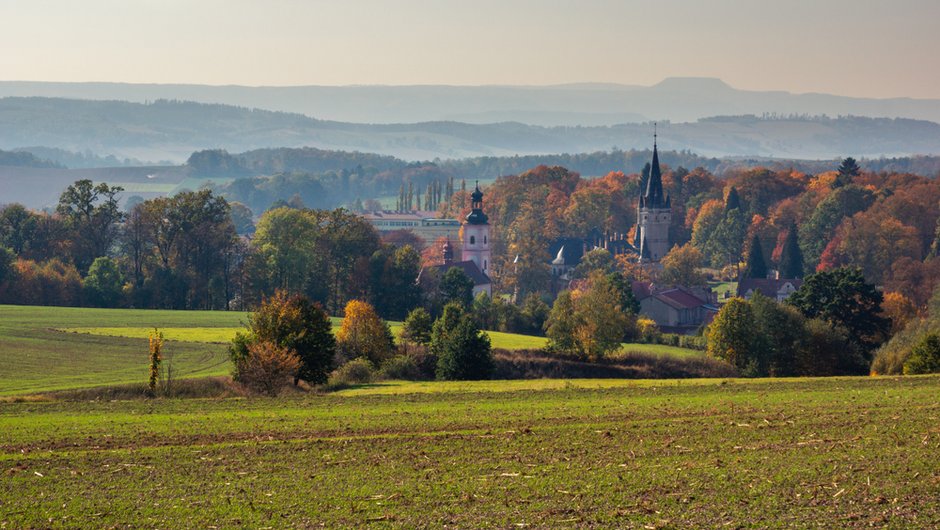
<point x="826" y="453"/>
<point x="45" y="349"/>
<point x="34" y="357"/>
<point x="220" y="335"/>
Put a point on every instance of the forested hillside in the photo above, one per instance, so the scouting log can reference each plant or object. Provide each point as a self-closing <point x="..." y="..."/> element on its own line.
<point x="172" y="130"/>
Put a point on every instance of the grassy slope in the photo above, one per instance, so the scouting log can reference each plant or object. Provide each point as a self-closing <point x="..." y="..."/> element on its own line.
<point x="57" y="348"/>
<point x="222" y="335"/>
<point x="797" y="453"/>
<point x="35" y="358"/>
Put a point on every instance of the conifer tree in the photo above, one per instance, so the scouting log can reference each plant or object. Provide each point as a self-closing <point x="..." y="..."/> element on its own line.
<point x="791" y="258"/>
<point x="733" y="200"/>
<point x="756" y="265"/>
<point x="847" y="171"/>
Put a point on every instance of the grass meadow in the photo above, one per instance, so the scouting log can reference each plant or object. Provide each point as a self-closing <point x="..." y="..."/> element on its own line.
<point x="546" y="453"/>
<point x="840" y="452"/>
<point x="44" y="349"/>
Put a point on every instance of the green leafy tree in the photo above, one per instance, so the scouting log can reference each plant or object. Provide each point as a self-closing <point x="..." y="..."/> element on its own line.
<point x="533" y="313"/>
<point x="756" y="266"/>
<point x="17" y="227"/>
<point x="818" y="230"/>
<point x="562" y="323"/>
<point x="465" y="352"/>
<point x="241" y="218"/>
<point x="7" y="259"/>
<point x="484" y="311"/>
<point x="456" y="286"/>
<point x="604" y="323"/>
<point x="104" y="283"/>
<point x="822" y="348"/>
<point x="297" y="324"/>
<point x="725" y="244"/>
<point x="598" y="259"/>
<point x="591" y="323"/>
<point x="624" y="287"/>
<point x="417" y="327"/>
<point x="392" y="287"/>
<point x="451" y="315"/>
<point x="92" y="214"/>
<point x="844" y="299"/>
<point x="791" y="258"/>
<point x="925" y="356"/>
<point x="733" y="337"/>
<point x="779" y="336"/>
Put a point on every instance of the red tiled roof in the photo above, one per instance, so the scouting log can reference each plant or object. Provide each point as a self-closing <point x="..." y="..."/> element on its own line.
<point x="679" y="299"/>
<point x="766" y="286"/>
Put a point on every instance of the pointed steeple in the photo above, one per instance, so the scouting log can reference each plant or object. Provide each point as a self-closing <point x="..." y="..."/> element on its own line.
<point x="653" y="198"/>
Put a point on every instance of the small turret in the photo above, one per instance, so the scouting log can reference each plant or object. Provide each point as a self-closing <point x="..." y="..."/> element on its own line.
<point x="476" y="215"/>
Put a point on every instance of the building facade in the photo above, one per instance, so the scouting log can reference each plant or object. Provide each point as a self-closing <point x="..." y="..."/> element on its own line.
<point x="422" y="223"/>
<point x="475" y="234"/>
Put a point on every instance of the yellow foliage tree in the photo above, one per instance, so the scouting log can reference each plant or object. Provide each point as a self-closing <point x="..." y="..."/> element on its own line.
<point x="364" y="334"/>
<point x="900" y="309"/>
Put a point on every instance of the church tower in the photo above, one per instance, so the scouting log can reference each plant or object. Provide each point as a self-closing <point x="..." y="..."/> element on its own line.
<point x="476" y="234"/>
<point x="654" y="214"/>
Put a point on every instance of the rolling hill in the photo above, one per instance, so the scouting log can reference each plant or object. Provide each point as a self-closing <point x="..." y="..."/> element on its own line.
<point x="171" y="130"/>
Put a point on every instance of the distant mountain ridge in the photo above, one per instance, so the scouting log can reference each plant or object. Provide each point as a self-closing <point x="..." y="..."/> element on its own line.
<point x="679" y="99"/>
<point x="169" y="130"/>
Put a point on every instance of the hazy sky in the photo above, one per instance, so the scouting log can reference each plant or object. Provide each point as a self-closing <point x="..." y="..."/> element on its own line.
<point x="849" y="47"/>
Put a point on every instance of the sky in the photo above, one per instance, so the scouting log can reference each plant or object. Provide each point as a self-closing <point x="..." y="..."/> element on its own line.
<point x="863" y="48"/>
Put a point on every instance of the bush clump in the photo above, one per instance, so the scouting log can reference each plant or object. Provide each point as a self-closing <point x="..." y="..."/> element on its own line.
<point x="356" y="372"/>
<point x="267" y="368"/>
<point x="401" y="367"/>
<point x="925" y="356"/>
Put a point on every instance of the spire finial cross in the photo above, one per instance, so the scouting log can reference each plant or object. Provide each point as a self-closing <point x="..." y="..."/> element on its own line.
<point x="654" y="133"/>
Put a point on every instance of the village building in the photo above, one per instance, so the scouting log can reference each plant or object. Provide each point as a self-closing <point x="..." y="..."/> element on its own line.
<point x="475" y="252"/>
<point x="675" y="309"/>
<point x="423" y="224"/>
<point x="777" y="288"/>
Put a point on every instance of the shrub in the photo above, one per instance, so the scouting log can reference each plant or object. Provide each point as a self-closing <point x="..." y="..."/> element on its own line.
<point x="355" y="372"/>
<point x="925" y="356"/>
<point x="401" y="367"/>
<point x="426" y="362"/>
<point x="156" y="344"/>
<point x="647" y="330"/>
<point x="104" y="284"/>
<point x="267" y="367"/>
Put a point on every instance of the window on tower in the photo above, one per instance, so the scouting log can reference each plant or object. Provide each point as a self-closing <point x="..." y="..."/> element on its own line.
<point x="473" y="240"/>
